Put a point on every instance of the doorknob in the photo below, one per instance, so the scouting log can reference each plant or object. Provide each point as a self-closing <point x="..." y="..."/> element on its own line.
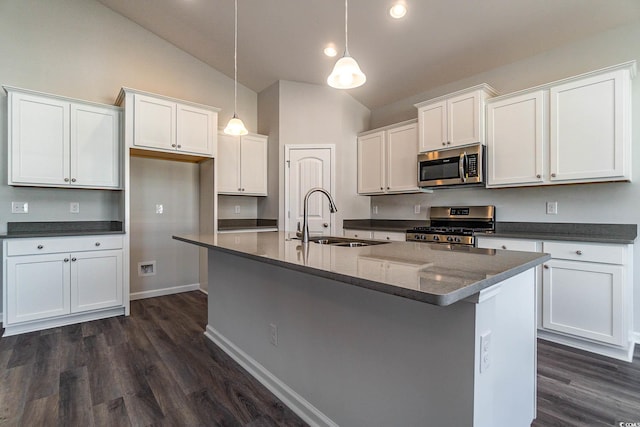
<point x="325" y="225"/>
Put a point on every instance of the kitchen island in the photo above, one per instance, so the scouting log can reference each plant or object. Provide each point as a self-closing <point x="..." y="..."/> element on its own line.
<point x="399" y="333"/>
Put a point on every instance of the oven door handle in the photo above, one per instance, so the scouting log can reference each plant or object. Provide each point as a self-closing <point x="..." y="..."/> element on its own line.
<point x="462" y="166"/>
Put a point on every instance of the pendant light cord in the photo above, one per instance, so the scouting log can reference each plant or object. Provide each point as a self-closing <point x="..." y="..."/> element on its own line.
<point x="235" y="62"/>
<point x="346" y="26"/>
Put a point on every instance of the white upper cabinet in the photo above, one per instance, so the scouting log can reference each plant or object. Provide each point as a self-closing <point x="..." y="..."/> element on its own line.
<point x="388" y="160"/>
<point x="516" y="139"/>
<point x="572" y="131"/>
<point x="60" y="142"/>
<point x="168" y="125"/>
<point x="242" y="164"/>
<point x="453" y="120"/>
<point x="590" y="128"/>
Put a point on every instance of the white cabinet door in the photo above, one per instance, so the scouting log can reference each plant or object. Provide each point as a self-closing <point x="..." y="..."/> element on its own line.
<point x="195" y="131"/>
<point x="402" y="154"/>
<point x="95" y="146"/>
<point x="432" y="122"/>
<point x="37" y="287"/>
<point x="588" y="128"/>
<point x="39" y="146"/>
<point x="464" y="118"/>
<point x="228" y="164"/>
<point x="253" y="165"/>
<point x="154" y="123"/>
<point x="516" y="140"/>
<point x="584" y="299"/>
<point x="371" y="163"/>
<point x="96" y="280"/>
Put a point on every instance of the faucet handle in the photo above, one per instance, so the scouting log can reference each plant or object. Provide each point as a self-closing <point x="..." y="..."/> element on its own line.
<point x="298" y="230"/>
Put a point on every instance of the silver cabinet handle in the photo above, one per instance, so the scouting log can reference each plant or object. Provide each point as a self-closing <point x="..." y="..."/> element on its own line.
<point x="448" y="142"/>
<point x="382" y="188"/>
<point x="388" y="238"/>
<point x="325" y="225"/>
<point x="578" y="252"/>
<point x="74" y="259"/>
<point x="444" y="143"/>
<point x="538" y="176"/>
<point x="239" y="189"/>
<point x="66" y="180"/>
<point x="388" y="188"/>
<point x="73" y="180"/>
<point x="97" y="243"/>
<point x="546" y="266"/>
<point x="40" y="247"/>
<point x="504" y="247"/>
<point x="66" y="260"/>
<point x="553" y="175"/>
<point x="179" y="146"/>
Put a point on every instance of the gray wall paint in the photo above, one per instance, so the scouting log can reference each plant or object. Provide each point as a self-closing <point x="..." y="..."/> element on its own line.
<point x="82" y="49"/>
<point x="599" y="203"/>
<point x="248" y="207"/>
<point x="269" y="124"/>
<point x="301" y="113"/>
<point x="175" y="185"/>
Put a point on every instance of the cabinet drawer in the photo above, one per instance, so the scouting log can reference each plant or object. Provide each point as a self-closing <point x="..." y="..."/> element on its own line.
<point x="508" y="244"/>
<point x="358" y="234"/>
<point x="390" y="235"/>
<point x="606" y="254"/>
<point x="50" y="245"/>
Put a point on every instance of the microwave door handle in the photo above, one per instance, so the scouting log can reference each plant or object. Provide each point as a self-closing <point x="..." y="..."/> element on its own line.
<point x="462" y="165"/>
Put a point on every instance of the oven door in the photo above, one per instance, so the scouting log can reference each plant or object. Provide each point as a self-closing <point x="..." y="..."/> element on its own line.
<point x="451" y="167"/>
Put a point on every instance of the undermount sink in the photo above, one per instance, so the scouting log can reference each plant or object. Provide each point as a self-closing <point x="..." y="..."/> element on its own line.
<point x="344" y="241"/>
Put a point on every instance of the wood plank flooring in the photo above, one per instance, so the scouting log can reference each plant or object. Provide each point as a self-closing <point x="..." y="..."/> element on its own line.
<point x="156" y="368"/>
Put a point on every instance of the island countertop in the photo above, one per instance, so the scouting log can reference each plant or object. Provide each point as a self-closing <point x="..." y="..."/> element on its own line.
<point x="438" y="274"/>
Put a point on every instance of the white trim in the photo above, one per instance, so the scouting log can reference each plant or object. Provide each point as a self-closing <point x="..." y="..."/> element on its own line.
<point x="298" y="404"/>
<point x="332" y="174"/>
<point x="636" y="337"/>
<point x="204" y="291"/>
<point x="620" y="353"/>
<point x="38" y="325"/>
<point x="164" y="291"/>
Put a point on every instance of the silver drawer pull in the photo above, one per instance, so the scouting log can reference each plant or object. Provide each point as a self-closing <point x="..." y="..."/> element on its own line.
<point x="73" y="180"/>
<point x="578" y="252"/>
<point x="66" y="260"/>
<point x="546" y="266"/>
<point x="504" y="247"/>
<point x="74" y="259"/>
<point x="66" y="180"/>
<point x="388" y="238"/>
<point x="40" y="247"/>
<point x="97" y="243"/>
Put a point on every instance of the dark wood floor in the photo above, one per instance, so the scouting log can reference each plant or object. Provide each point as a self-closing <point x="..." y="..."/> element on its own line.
<point x="155" y="368"/>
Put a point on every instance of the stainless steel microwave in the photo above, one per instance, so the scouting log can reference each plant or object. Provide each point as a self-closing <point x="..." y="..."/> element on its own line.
<point x="452" y="167"/>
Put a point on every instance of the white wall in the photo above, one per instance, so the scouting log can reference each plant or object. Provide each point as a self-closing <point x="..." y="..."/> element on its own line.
<point x="597" y="203"/>
<point x="82" y="49"/>
<point x="227" y="207"/>
<point x="313" y="114"/>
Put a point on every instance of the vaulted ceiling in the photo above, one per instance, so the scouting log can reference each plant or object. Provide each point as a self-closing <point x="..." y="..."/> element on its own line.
<point x="437" y="42"/>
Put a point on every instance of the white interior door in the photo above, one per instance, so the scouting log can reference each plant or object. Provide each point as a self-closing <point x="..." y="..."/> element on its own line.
<point x="308" y="168"/>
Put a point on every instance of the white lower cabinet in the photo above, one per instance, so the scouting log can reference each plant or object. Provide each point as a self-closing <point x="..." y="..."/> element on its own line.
<point x="55" y="281"/>
<point x="395" y="236"/>
<point x="584" y="293"/>
<point x="358" y="234"/>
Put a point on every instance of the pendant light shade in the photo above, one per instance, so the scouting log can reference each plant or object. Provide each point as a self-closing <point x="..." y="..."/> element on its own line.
<point x="235" y="125"/>
<point x="346" y="73"/>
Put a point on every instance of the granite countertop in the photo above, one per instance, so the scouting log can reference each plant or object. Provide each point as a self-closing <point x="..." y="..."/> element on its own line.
<point x="582" y="232"/>
<point x="433" y="273"/>
<point x="232" y="225"/>
<point x="17" y="230"/>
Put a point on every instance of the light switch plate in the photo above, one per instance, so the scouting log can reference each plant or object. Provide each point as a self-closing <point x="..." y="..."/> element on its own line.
<point x="74" y="207"/>
<point x="19" y="207"/>
<point x="552" y="208"/>
<point x="159" y="209"/>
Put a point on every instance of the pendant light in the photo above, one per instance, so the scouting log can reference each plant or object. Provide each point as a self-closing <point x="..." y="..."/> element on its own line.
<point x="346" y="73"/>
<point x="235" y="125"/>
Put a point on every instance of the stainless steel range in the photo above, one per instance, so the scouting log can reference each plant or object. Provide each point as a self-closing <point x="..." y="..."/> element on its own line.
<point x="455" y="225"/>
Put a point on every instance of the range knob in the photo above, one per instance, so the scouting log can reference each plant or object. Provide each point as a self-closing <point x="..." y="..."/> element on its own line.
<point x="449" y="239"/>
<point x="423" y="237"/>
<point x="457" y="239"/>
<point x="436" y="238"/>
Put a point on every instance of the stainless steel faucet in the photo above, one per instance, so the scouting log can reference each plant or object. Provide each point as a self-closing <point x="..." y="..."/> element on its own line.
<point x="305" y="224"/>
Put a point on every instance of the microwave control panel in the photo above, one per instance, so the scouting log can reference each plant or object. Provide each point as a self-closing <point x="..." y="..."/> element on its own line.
<point x="472" y="165"/>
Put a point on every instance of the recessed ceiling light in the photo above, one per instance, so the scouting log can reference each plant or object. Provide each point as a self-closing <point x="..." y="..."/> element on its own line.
<point x="398" y="10"/>
<point x="330" y="51"/>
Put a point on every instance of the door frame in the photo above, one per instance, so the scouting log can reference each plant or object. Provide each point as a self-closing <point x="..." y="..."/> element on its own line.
<point x="332" y="177"/>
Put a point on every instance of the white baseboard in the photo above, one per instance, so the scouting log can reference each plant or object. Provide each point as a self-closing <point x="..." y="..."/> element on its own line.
<point x="164" y="291"/>
<point x="305" y="410"/>
<point x="636" y="337"/>
<point x="204" y="291"/>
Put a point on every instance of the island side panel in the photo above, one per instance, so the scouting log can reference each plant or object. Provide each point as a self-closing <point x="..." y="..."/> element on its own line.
<point x="360" y="357"/>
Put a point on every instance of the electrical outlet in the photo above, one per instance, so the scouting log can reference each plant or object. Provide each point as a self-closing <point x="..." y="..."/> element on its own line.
<point x="375" y="210"/>
<point x="237" y="209"/>
<point x="552" y="208"/>
<point x="485" y="351"/>
<point x="273" y="334"/>
<point x="19" y="207"/>
<point x="159" y="209"/>
<point x="416" y="209"/>
<point x="74" y="207"/>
